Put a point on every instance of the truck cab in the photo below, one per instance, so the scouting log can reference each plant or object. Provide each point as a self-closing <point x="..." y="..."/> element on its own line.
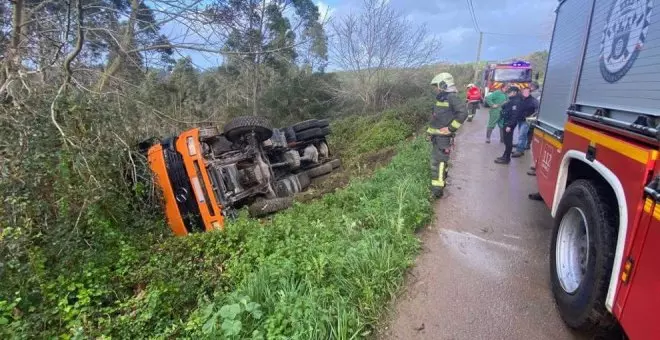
<point x="595" y="149"/>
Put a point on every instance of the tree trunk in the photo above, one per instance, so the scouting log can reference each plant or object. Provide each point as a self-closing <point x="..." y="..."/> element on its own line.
<point x="125" y="44"/>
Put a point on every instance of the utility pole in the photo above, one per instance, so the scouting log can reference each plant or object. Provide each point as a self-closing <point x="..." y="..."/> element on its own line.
<point x="476" y="67"/>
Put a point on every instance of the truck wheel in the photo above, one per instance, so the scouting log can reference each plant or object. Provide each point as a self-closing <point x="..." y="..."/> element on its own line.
<point x="309" y="134"/>
<point x="336" y="163"/>
<point x="323" y="123"/>
<point x="305" y="125"/>
<point x="325" y="131"/>
<point x="269" y="206"/>
<point x="324" y="152"/>
<point x="320" y="170"/>
<point x="581" y="255"/>
<point x="240" y="126"/>
<point x="303" y="179"/>
<point x="292" y="158"/>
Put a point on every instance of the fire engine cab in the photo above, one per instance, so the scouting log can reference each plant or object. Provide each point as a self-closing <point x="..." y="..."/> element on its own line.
<point x="596" y="156"/>
<point x="496" y="75"/>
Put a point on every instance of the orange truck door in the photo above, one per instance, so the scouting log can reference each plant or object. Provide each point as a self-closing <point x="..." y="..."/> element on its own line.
<point x="641" y="312"/>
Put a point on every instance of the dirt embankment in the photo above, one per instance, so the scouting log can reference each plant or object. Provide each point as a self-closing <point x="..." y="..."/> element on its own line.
<point x="363" y="166"/>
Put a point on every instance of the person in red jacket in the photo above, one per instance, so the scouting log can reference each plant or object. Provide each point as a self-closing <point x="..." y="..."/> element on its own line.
<point x="473" y="99"/>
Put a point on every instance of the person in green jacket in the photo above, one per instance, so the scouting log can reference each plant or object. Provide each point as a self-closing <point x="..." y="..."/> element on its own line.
<point x="495" y="100"/>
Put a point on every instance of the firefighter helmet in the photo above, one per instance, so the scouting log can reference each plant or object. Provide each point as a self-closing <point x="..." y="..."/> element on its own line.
<point x="443" y="80"/>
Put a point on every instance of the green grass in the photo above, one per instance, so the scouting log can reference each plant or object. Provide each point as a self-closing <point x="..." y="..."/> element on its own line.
<point x="317" y="271"/>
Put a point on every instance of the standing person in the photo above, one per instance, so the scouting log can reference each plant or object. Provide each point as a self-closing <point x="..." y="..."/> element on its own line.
<point x="536" y="93"/>
<point x="448" y="115"/>
<point x="511" y="115"/>
<point x="528" y="108"/>
<point x="494" y="101"/>
<point x="473" y="99"/>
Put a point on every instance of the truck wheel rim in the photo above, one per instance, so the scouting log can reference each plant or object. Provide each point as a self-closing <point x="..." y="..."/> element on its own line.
<point x="572" y="254"/>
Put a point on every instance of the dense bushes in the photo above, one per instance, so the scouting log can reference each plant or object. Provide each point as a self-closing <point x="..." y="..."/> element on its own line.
<point x="356" y="135"/>
<point x="321" y="270"/>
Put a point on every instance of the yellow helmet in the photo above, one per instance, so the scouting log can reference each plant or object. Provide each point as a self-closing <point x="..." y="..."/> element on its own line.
<point x="443" y="80"/>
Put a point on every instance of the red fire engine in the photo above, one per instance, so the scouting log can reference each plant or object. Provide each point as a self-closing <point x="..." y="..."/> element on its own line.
<point x="596" y="155"/>
<point x="496" y="75"/>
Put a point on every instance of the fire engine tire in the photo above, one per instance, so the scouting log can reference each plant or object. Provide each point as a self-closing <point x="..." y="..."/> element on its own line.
<point x="309" y="134"/>
<point x="303" y="179"/>
<point x="336" y="163"/>
<point x="269" y="206"/>
<point x="320" y="170"/>
<point x="306" y="125"/>
<point x="240" y="126"/>
<point x="292" y="158"/>
<point x="582" y="253"/>
<point x="323" y="123"/>
<point x="325" y="131"/>
<point x="290" y="134"/>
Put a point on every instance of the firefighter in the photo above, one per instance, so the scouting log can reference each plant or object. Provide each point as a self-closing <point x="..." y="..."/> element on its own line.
<point x="473" y="99"/>
<point x="448" y="115"/>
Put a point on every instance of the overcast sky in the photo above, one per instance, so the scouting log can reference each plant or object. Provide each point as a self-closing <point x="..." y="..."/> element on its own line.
<point x="513" y="27"/>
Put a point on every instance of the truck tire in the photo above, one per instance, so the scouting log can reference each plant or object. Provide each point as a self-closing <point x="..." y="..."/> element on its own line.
<point x="269" y="206"/>
<point x="582" y="253"/>
<point x="305" y="125"/>
<point x="240" y="126"/>
<point x="323" y="123"/>
<point x="303" y="179"/>
<point x="309" y="134"/>
<point x="288" y="186"/>
<point x="324" y="152"/>
<point x="325" y="131"/>
<point x="292" y="158"/>
<point x="320" y="170"/>
<point x="336" y="163"/>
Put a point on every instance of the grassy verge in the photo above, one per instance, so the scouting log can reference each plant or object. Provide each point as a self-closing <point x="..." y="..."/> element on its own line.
<point x="320" y="270"/>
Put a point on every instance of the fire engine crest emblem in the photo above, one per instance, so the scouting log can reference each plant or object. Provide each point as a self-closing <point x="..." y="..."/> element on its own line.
<point x="623" y="37"/>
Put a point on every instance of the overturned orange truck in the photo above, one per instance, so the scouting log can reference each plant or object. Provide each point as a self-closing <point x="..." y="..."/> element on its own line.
<point x="596" y="155"/>
<point x="205" y="175"/>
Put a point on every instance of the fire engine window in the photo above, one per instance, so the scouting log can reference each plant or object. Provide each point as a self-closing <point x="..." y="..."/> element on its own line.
<point x="513" y="74"/>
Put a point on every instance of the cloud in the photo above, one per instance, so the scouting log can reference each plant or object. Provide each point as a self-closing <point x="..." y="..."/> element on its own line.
<point x="455" y="36"/>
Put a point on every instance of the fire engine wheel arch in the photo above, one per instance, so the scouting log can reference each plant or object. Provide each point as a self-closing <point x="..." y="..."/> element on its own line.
<point x="269" y="206"/>
<point x="240" y="126"/>
<point x="584" y="207"/>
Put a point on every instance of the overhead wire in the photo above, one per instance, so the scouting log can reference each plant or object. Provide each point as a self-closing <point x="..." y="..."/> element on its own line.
<point x="473" y="16"/>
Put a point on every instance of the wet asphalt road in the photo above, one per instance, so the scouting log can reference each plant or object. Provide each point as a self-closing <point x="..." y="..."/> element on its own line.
<point x="483" y="272"/>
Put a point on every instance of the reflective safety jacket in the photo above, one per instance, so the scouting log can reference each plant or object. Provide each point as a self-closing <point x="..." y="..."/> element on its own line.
<point x="449" y="111"/>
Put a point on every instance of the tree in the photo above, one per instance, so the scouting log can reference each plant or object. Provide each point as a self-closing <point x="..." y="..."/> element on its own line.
<point x="377" y="45"/>
<point x="262" y="40"/>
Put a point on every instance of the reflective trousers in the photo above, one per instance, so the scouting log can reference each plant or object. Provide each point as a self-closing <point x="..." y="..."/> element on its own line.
<point x="441" y="147"/>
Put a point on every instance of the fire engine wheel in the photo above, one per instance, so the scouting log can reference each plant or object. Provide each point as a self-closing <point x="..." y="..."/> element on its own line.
<point x="320" y="170"/>
<point x="581" y="255"/>
<point x="269" y="206"/>
<point x="240" y="126"/>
